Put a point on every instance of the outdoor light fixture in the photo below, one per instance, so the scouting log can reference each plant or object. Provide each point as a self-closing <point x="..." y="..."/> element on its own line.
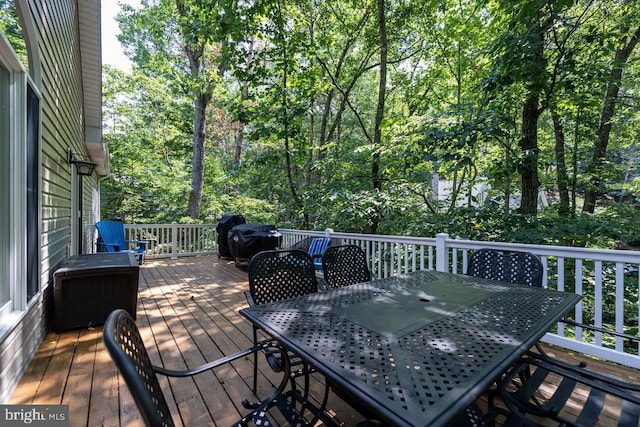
<point x="83" y="167"/>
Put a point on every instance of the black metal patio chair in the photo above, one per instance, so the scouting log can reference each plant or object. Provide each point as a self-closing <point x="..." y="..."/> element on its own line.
<point x="522" y="268"/>
<point x="345" y="265"/>
<point x="278" y="275"/>
<point x="540" y="387"/>
<point x="125" y="346"/>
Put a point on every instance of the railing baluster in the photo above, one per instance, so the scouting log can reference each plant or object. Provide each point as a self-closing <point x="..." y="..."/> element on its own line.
<point x="578" y="285"/>
<point x="598" y="301"/>
<point x="619" y="303"/>
<point x="560" y="287"/>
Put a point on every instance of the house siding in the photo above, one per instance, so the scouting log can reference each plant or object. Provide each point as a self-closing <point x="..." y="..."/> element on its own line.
<point x="62" y="127"/>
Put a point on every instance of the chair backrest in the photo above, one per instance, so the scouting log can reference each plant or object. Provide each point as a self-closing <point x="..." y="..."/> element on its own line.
<point x="281" y="274"/>
<point x="522" y="268"/>
<point x="124" y="344"/>
<point x="316" y="249"/>
<point x="112" y="235"/>
<point x="345" y="265"/>
<point x="318" y="246"/>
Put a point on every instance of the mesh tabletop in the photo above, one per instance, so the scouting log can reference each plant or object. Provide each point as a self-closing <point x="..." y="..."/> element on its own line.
<point x="417" y="348"/>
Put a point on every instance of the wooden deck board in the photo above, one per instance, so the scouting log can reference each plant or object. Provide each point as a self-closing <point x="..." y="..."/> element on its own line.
<point x="187" y="314"/>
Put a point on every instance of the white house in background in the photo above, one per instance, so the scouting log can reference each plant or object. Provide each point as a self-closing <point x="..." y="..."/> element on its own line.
<point x="442" y="190"/>
<point x="50" y="117"/>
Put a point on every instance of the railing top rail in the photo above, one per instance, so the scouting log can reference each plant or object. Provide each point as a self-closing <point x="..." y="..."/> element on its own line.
<point x="549" y="250"/>
<point x="366" y="237"/>
<point x="611" y="255"/>
<point x="544" y="250"/>
<point x="170" y="225"/>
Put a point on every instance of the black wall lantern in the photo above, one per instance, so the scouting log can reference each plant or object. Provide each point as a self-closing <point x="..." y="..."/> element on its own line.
<point x="83" y="167"/>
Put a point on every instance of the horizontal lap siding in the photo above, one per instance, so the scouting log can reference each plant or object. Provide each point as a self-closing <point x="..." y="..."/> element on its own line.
<point x="62" y="126"/>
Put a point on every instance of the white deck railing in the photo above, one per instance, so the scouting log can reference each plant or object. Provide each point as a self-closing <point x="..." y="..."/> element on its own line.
<point x="175" y="240"/>
<point x="607" y="279"/>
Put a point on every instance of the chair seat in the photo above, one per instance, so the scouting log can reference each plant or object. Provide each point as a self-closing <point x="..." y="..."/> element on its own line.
<point x="540" y="386"/>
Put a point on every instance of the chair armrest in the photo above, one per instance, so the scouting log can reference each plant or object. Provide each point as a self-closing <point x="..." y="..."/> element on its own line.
<point x="111" y="245"/>
<point x="142" y="243"/>
<point x="219" y="362"/>
<point x="601" y="330"/>
<point x="249" y="298"/>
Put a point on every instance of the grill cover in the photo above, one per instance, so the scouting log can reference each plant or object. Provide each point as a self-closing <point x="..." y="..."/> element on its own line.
<point x="246" y="240"/>
<point x="227" y="222"/>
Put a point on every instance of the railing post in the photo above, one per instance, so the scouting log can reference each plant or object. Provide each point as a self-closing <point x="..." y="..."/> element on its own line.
<point x="174" y="240"/>
<point x="442" y="254"/>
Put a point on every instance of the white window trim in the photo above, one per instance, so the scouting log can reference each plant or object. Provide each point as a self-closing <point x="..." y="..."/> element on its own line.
<point x="16" y="235"/>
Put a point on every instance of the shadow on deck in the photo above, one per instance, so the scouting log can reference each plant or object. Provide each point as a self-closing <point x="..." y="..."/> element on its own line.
<point x="187" y="314"/>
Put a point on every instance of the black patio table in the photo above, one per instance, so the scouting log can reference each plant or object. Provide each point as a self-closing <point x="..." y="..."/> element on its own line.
<point x="414" y="349"/>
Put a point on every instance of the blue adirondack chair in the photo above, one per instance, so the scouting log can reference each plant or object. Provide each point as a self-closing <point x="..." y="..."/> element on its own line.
<point x="112" y="240"/>
<point x="316" y="249"/>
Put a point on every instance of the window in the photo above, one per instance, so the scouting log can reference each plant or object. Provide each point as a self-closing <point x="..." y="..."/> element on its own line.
<point x="19" y="153"/>
<point x="33" y="192"/>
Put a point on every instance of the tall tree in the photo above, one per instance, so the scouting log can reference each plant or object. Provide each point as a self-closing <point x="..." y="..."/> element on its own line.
<point x="627" y="43"/>
<point x="376" y="176"/>
<point x="534" y="57"/>
<point x="178" y="38"/>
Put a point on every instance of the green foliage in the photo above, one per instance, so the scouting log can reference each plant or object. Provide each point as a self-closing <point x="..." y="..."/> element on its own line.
<point x="254" y="210"/>
<point x="299" y="91"/>
<point x="609" y="229"/>
<point x="290" y="129"/>
<point x="148" y="181"/>
<point x="12" y="30"/>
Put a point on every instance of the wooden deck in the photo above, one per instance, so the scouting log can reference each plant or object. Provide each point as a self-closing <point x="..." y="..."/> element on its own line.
<point x="187" y="314"/>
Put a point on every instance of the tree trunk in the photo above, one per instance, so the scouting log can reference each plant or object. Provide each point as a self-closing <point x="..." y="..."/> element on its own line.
<point x="377" y="135"/>
<point x="244" y="94"/>
<point x="529" y="147"/>
<point x="574" y="164"/>
<point x="239" y="139"/>
<point x="238" y="142"/>
<point x="561" y="172"/>
<point x="194" y="48"/>
<point x="606" y="120"/>
<point x="531" y="111"/>
<point x="197" y="172"/>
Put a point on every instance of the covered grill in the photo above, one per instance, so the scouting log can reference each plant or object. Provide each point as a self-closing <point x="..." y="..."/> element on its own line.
<point x="246" y="240"/>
